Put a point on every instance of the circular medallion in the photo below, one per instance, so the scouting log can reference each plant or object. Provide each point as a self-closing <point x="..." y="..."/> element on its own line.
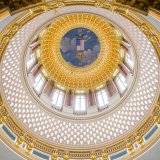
<point x="80" y="47"/>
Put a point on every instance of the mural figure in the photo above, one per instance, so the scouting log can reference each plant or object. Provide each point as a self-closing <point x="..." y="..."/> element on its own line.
<point x="80" y="47"/>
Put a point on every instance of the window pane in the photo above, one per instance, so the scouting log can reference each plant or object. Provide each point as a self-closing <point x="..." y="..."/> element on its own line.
<point x="59" y="101"/>
<point x="83" y="104"/>
<point x="31" y="61"/>
<point x="122" y="78"/>
<point x="80" y="103"/>
<point x="54" y="98"/>
<point x="28" y="64"/>
<point x="122" y="87"/>
<point x="100" y="100"/>
<point x="77" y="104"/>
<point x="39" y="85"/>
<point x="38" y="78"/>
<point x="130" y="63"/>
<point x="105" y="98"/>
<point x="128" y="60"/>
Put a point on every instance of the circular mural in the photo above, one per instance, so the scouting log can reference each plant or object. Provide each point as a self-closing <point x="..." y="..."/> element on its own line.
<point x="80" y="47"/>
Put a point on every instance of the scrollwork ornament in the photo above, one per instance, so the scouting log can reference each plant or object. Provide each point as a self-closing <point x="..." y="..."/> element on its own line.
<point x="139" y="140"/>
<point x="154" y="38"/>
<point x="113" y="8"/>
<point x="60" y="5"/>
<point x="104" y="155"/>
<point x="66" y="156"/>
<point x="3" y="109"/>
<point x="99" y="4"/>
<point x="1" y="101"/>
<point x="56" y="12"/>
<point x="129" y="147"/>
<point x="4" y="39"/>
<point x="93" y="157"/>
<point x="53" y="6"/>
<point x="2" y="119"/>
<point x="30" y="147"/>
<point x="20" y="140"/>
<point x="156" y="119"/>
<point x="15" y="27"/>
<point x="143" y="27"/>
<point x="55" y="154"/>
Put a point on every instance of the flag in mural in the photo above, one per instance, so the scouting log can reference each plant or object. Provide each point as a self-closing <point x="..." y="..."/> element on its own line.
<point x="80" y="47"/>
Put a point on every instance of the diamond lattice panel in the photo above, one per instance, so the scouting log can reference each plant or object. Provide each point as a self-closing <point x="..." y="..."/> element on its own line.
<point x="75" y="133"/>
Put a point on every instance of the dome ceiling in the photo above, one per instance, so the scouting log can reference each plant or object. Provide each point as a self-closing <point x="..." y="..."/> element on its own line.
<point x="80" y="77"/>
<point x="80" y="135"/>
<point x="136" y="109"/>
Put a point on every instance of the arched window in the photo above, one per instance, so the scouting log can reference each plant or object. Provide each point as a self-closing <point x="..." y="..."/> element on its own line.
<point x="102" y="98"/>
<point x="120" y="82"/>
<point x="128" y="60"/>
<point x="58" y="98"/>
<point x="80" y="103"/>
<point x="31" y="61"/>
<point x="40" y="80"/>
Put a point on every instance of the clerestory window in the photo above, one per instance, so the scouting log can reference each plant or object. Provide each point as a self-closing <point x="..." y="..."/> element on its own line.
<point x="80" y="103"/>
<point x="120" y="81"/>
<point x="129" y="61"/>
<point x="58" y="98"/>
<point x="31" y="61"/>
<point x="102" y="98"/>
<point x="39" y="82"/>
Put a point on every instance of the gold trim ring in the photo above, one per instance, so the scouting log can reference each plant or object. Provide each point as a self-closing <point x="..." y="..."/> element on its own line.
<point x="80" y="77"/>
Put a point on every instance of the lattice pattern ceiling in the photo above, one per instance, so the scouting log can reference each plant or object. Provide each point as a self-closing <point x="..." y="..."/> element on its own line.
<point x="80" y="134"/>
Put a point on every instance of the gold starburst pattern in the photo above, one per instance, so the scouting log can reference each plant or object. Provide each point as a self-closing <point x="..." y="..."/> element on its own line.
<point x="80" y="77"/>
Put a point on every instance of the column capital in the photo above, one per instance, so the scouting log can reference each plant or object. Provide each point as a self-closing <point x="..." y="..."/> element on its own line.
<point x="107" y="90"/>
<point x="67" y="90"/>
<point x="122" y="72"/>
<point x="87" y="91"/>
<point x="113" y="85"/>
<point x="54" y="84"/>
<point x="125" y="44"/>
<point x="34" y="44"/>
<point x="93" y="98"/>
<point x="125" y="68"/>
<point x="72" y="98"/>
<point x="38" y="72"/>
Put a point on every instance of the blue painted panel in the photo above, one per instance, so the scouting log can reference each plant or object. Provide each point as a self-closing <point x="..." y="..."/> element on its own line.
<point x="8" y="133"/>
<point x="40" y="155"/>
<point x="118" y="155"/>
<point x="151" y="133"/>
<point x="82" y="40"/>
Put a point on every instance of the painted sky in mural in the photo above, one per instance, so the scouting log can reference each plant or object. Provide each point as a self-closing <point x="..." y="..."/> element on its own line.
<point x="80" y="47"/>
